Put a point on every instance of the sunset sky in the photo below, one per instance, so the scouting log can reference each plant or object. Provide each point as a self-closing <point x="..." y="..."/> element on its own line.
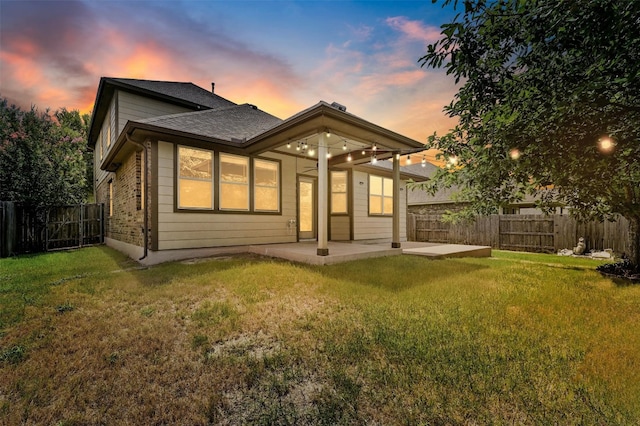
<point x="282" y="56"/>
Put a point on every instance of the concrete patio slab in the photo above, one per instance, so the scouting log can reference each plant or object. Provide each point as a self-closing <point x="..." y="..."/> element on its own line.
<point x="439" y="251"/>
<point x="306" y="252"/>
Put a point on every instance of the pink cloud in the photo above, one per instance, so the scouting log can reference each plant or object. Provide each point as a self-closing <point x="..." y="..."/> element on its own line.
<point x="414" y="30"/>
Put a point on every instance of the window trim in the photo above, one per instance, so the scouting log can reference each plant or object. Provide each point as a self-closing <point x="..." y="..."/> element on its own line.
<point x="178" y="178"/>
<point x="254" y="185"/>
<point x="221" y="182"/>
<point x="383" y="196"/>
<point x="216" y="182"/>
<point x="346" y="192"/>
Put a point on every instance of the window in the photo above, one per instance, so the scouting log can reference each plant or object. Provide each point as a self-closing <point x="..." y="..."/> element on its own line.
<point x="266" y="195"/>
<point x="234" y="182"/>
<point x="380" y="195"/>
<point x="338" y="192"/>
<point x="109" y="132"/>
<point x="195" y="178"/>
<point x="101" y="142"/>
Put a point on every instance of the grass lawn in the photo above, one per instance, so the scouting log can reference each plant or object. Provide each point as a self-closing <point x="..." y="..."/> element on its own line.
<point x="88" y="338"/>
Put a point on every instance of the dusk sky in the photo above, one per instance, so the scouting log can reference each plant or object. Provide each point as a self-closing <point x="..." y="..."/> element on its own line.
<point x="282" y="56"/>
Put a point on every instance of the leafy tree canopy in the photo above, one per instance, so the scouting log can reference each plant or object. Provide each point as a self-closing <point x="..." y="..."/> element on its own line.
<point x="42" y="159"/>
<point x="548" y="105"/>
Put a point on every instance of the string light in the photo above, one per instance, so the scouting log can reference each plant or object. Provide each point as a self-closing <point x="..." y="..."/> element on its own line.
<point x="424" y="161"/>
<point x="344" y="147"/>
<point x="329" y="154"/>
<point x="364" y="152"/>
<point x="298" y="147"/>
<point x="288" y="144"/>
<point x="374" y="160"/>
<point x="328" y="133"/>
<point x="409" y="159"/>
<point x="375" y="147"/>
<point x="606" y="144"/>
<point x="349" y="156"/>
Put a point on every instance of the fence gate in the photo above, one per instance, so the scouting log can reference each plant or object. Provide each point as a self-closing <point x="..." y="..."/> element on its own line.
<point x="73" y="226"/>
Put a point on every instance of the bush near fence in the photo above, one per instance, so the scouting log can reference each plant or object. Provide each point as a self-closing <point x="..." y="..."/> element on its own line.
<point x="534" y="233"/>
<point x="25" y="229"/>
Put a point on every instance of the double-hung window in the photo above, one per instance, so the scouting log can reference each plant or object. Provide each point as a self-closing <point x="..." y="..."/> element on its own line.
<point x="380" y="195"/>
<point x="234" y="182"/>
<point x="339" y="192"/>
<point x="266" y="192"/>
<point x="195" y="178"/>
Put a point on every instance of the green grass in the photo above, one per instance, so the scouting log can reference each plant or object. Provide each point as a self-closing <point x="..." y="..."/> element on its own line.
<point x="516" y="338"/>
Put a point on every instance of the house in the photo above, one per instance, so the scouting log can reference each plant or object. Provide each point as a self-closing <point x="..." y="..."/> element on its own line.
<point x="183" y="171"/>
<point x="421" y="203"/>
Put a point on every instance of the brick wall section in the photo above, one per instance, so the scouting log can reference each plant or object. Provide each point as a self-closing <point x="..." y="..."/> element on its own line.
<point x="126" y="222"/>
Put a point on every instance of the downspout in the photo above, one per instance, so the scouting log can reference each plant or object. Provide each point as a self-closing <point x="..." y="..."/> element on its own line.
<point x="146" y="192"/>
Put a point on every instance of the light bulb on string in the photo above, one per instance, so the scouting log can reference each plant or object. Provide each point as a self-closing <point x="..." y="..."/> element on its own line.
<point x="349" y="156"/>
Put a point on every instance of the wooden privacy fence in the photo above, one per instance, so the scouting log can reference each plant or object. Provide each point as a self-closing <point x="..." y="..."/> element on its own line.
<point x="534" y="233"/>
<point x="26" y="229"/>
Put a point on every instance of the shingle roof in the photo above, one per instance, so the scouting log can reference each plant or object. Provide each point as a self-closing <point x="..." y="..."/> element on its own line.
<point x="237" y="123"/>
<point x="178" y="90"/>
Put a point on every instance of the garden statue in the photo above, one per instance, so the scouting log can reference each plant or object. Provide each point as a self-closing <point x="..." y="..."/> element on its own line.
<point x="579" y="249"/>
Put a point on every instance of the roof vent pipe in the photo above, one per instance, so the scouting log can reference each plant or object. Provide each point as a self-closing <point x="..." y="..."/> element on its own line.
<point x="213" y="87"/>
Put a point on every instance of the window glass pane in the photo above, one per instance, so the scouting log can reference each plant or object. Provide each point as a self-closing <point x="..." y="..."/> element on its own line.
<point x="266" y="173"/>
<point x="234" y="169"/>
<point x="195" y="163"/>
<point x="388" y="205"/>
<point x="266" y="199"/>
<point x="195" y="178"/>
<point x="375" y="204"/>
<point x="266" y="189"/>
<point x="338" y="203"/>
<point x="195" y="194"/>
<point x="388" y="187"/>
<point x="375" y="185"/>
<point x="234" y="197"/>
<point x="339" y="181"/>
<point x="306" y="207"/>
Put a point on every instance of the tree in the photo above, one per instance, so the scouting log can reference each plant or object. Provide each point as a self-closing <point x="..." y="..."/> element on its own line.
<point x="41" y="161"/>
<point x="548" y="105"/>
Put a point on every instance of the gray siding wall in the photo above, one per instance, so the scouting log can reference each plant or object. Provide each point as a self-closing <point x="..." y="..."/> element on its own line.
<point x="340" y="228"/>
<point x="135" y="107"/>
<point x="367" y="227"/>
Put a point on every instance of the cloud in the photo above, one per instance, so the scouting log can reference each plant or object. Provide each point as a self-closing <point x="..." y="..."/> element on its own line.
<point x="414" y="30"/>
<point x="54" y="53"/>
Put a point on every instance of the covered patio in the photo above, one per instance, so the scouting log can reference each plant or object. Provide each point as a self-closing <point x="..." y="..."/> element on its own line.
<point x="306" y="252"/>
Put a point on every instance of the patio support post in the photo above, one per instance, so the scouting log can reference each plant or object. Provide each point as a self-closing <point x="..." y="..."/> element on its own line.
<point x="395" y="241"/>
<point x="323" y="195"/>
